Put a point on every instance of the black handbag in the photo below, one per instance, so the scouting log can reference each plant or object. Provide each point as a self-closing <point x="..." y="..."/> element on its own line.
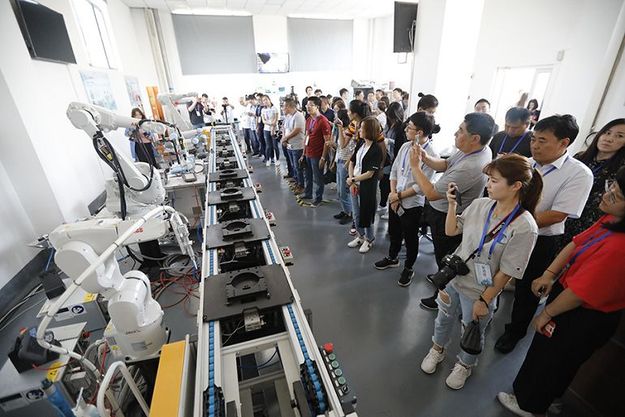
<point x="471" y="341"/>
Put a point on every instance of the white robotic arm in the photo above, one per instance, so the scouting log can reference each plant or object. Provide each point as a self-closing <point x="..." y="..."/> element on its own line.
<point x="84" y="251"/>
<point x="144" y="184"/>
<point x="169" y="101"/>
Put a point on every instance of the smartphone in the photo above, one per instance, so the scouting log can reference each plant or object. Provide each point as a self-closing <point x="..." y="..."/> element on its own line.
<point x="549" y="328"/>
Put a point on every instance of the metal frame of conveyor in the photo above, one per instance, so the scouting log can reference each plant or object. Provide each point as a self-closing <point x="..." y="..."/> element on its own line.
<point x="264" y="306"/>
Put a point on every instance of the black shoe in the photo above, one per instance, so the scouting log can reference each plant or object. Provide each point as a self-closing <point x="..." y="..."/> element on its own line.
<point x="340" y="216"/>
<point x="406" y="277"/>
<point x="506" y="343"/>
<point x="429" y="303"/>
<point x="386" y="263"/>
<point x="345" y="220"/>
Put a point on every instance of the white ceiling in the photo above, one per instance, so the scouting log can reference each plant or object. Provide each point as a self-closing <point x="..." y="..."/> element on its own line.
<point x="345" y="9"/>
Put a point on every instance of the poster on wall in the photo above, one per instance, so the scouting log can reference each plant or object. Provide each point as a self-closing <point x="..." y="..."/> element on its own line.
<point x="98" y="89"/>
<point x="134" y="92"/>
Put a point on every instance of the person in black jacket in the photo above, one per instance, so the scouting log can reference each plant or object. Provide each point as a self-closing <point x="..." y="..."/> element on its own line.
<point x="363" y="181"/>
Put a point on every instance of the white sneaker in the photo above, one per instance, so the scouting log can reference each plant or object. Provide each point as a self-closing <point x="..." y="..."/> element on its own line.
<point x="366" y="245"/>
<point x="458" y="376"/>
<point x="431" y="361"/>
<point x="356" y="242"/>
<point x="277" y="163"/>
<point x="273" y="162"/>
<point x="509" y="401"/>
<point x="384" y="216"/>
<point x="268" y="163"/>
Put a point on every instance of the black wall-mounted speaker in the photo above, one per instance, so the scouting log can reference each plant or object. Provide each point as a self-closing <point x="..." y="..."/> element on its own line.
<point x="404" y="26"/>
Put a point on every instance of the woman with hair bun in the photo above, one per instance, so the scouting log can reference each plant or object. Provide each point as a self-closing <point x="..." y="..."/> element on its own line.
<point x="498" y="235"/>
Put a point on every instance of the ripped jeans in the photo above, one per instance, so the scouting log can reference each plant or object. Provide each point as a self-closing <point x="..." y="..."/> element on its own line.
<point x="448" y="317"/>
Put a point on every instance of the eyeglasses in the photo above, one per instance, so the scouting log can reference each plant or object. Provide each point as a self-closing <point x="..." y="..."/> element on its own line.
<point x="613" y="194"/>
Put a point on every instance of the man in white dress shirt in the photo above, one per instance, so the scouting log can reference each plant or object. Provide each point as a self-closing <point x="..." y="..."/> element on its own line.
<point x="566" y="185"/>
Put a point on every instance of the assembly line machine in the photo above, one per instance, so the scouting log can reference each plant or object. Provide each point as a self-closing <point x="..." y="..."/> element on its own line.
<point x="252" y="354"/>
<point x="249" y="311"/>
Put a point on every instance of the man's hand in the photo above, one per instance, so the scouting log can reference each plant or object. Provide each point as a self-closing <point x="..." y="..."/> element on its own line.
<point x="392" y="197"/>
<point x="322" y="163"/>
<point x="541" y="287"/>
<point x="415" y="157"/>
<point x="540" y="321"/>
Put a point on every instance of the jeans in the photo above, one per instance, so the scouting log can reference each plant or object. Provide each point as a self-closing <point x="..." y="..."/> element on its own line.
<point x="247" y="136"/>
<point x="298" y="172"/>
<point x="289" y="166"/>
<point x="367" y="232"/>
<point x="269" y="146"/>
<point x="342" y="188"/>
<point x="260" y="137"/>
<point x="198" y="125"/>
<point x="448" y="317"/>
<point x="312" y="174"/>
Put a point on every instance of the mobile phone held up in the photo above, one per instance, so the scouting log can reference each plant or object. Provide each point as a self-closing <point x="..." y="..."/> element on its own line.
<point x="458" y="196"/>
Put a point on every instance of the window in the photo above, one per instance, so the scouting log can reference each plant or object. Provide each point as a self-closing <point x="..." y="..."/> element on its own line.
<point x="93" y="21"/>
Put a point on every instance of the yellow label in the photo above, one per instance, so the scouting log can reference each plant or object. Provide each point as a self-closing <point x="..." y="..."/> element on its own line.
<point x="89" y="297"/>
<point x="53" y="373"/>
<point x="114" y="347"/>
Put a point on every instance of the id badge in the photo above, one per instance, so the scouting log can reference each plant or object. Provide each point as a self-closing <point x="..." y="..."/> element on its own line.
<point x="483" y="275"/>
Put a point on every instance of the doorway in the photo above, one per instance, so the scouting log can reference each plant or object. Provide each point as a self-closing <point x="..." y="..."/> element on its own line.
<point x="516" y="86"/>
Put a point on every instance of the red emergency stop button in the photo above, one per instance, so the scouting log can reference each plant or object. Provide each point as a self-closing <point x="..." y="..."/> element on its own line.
<point x="328" y="347"/>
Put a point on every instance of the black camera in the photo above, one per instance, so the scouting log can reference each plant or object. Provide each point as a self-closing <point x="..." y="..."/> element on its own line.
<point x="452" y="265"/>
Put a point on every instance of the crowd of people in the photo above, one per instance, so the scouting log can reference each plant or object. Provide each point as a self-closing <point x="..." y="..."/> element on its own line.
<point x="510" y="205"/>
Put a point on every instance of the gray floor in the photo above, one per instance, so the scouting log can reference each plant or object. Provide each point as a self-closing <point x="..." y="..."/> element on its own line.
<point x="379" y="331"/>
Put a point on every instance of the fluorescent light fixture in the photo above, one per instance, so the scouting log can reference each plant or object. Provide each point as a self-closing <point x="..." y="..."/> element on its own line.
<point x="318" y="16"/>
<point x="212" y="12"/>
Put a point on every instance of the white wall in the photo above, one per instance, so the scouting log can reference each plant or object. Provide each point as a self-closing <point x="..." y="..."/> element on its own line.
<point x="50" y="166"/>
<point x="372" y="60"/>
<point x="383" y="62"/>
<point x="270" y="34"/>
<point x="530" y="33"/>
<point x="444" y="55"/>
<point x="614" y="103"/>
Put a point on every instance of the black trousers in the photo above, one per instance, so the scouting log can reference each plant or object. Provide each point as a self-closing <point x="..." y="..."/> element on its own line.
<point x="406" y="228"/>
<point x="443" y="244"/>
<point x="525" y="302"/>
<point x="385" y="189"/>
<point x="551" y="363"/>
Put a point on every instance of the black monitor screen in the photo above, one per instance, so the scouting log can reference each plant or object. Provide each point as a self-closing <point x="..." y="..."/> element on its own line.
<point x="45" y="32"/>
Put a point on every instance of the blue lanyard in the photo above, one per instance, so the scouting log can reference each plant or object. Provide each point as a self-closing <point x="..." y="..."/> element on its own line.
<point x="552" y="168"/>
<point x="465" y="156"/>
<point x="589" y="243"/>
<point x="500" y="234"/>
<point x="313" y="122"/>
<point x="505" y="139"/>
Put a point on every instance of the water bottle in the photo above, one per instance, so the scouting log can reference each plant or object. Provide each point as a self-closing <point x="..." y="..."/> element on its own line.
<point x="56" y="398"/>
<point x="83" y="409"/>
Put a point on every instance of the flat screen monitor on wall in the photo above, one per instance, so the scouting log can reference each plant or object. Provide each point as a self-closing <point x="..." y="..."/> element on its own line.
<point x="271" y="62"/>
<point x="44" y="32"/>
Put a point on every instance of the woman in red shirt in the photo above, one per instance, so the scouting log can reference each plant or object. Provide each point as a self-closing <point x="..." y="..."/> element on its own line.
<point x="583" y="309"/>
